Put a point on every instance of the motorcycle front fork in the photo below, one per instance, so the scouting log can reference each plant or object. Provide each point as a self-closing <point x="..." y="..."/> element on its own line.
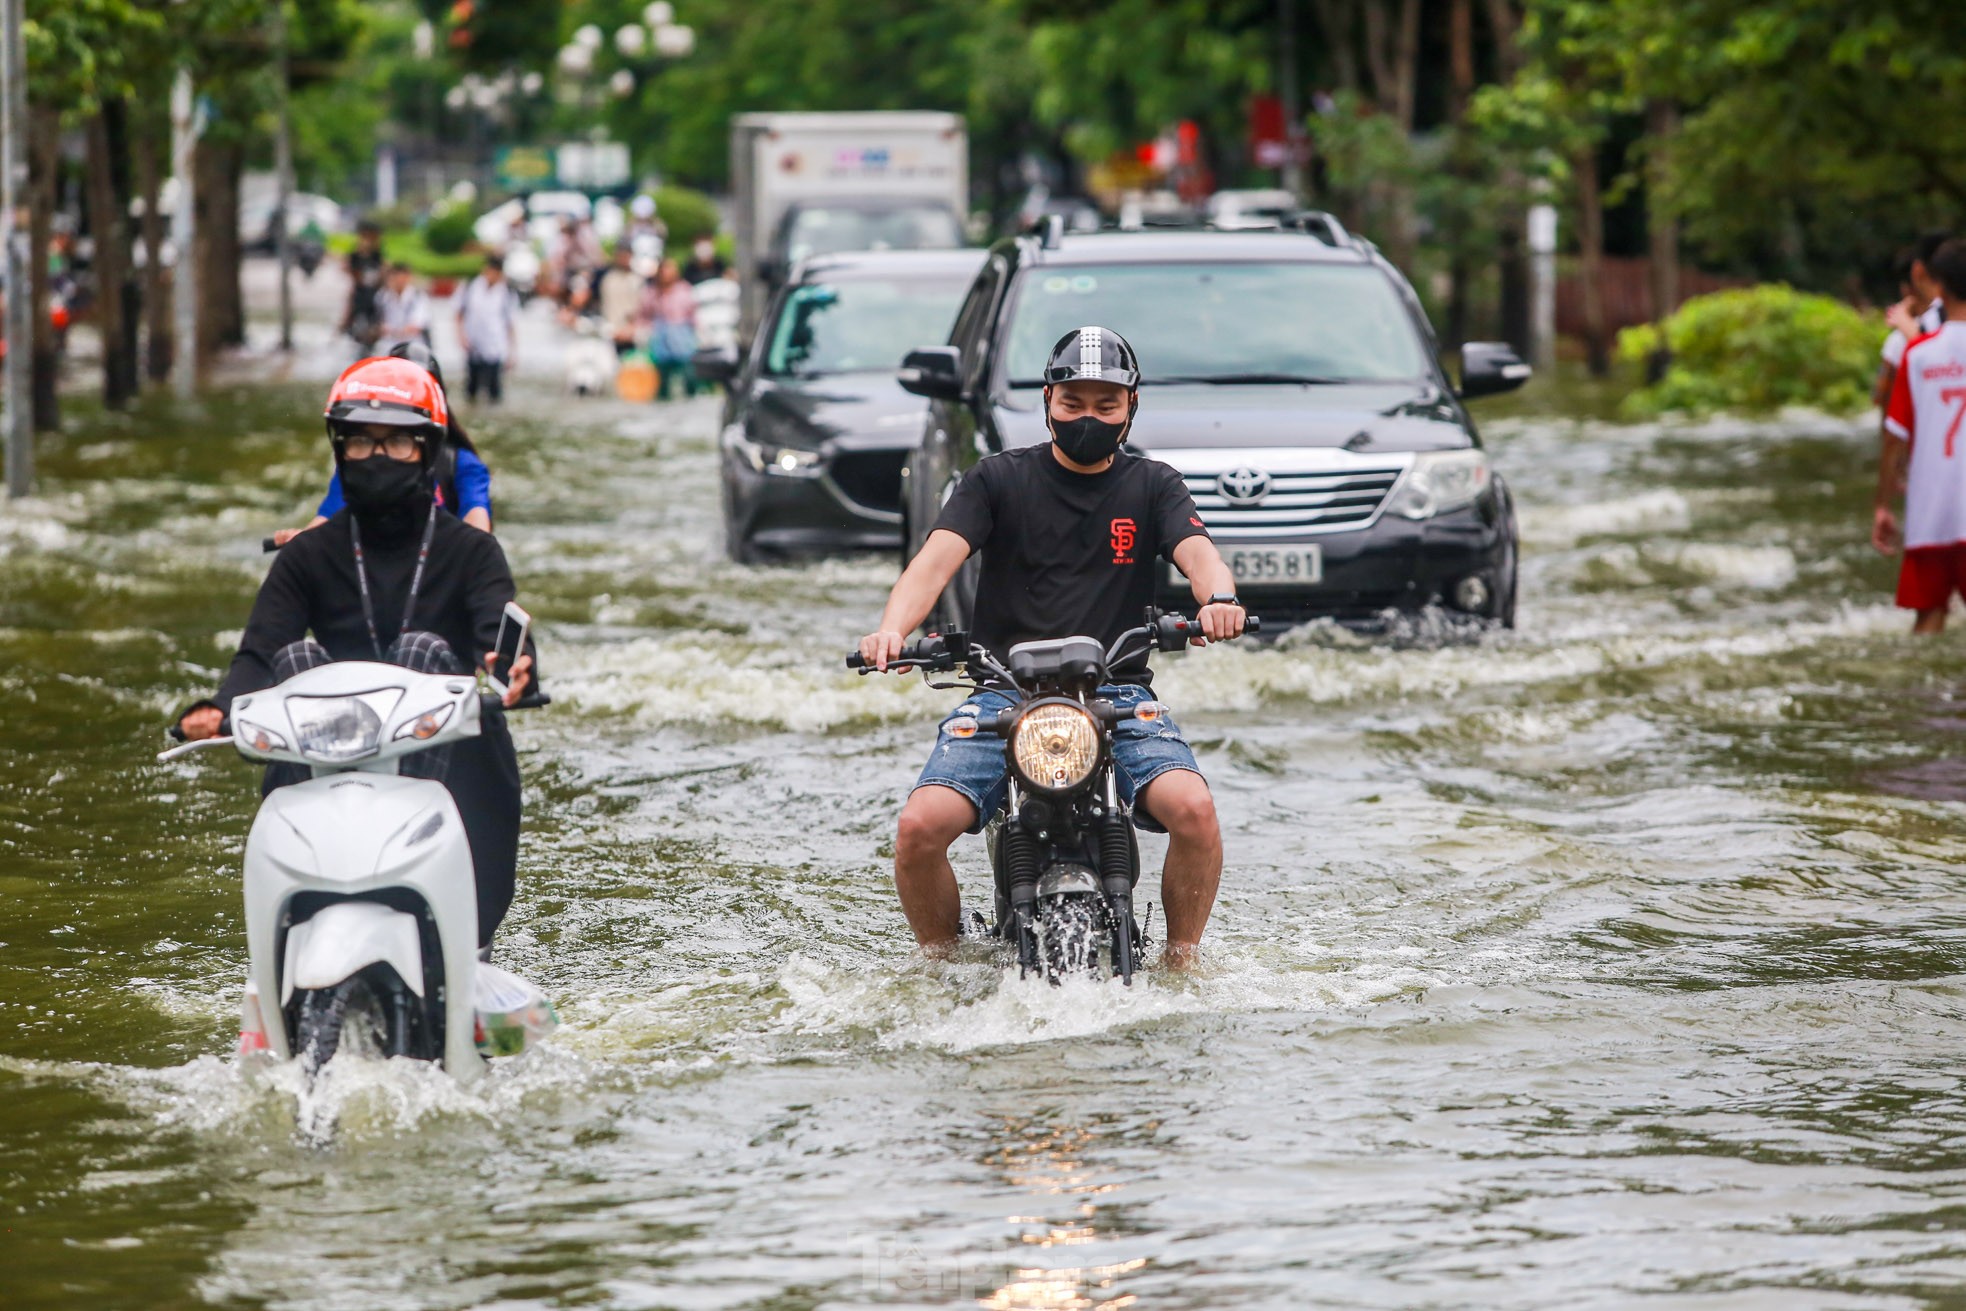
<point x="1020" y="856"/>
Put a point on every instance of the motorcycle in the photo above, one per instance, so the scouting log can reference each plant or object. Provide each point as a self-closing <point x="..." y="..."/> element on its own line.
<point x="1063" y="853"/>
<point x="522" y="271"/>
<point x="308" y="252"/>
<point x="361" y="908"/>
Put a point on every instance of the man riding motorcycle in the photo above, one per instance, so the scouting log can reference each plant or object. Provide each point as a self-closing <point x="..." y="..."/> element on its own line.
<point x="390" y="578"/>
<point x="1070" y="534"/>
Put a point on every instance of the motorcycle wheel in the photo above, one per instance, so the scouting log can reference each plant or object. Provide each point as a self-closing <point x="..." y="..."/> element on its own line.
<point x="1069" y="931"/>
<point x="324" y="1016"/>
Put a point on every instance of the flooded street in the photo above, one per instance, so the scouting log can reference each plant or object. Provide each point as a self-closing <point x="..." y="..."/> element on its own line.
<point x="1617" y="960"/>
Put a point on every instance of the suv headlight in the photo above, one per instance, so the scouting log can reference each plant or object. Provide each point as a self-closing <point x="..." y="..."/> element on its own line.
<point x="1439" y="481"/>
<point x="1055" y="746"/>
<point x="335" y="729"/>
<point x="766" y="458"/>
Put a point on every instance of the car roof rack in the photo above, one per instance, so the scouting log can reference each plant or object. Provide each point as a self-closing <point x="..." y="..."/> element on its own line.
<point x="1049" y="229"/>
<point x="1322" y="225"/>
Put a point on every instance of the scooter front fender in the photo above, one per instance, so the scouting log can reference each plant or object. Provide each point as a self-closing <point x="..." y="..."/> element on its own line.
<point x="343" y="939"/>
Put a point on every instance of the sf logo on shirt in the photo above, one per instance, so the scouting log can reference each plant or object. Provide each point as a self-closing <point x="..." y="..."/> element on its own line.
<point x="1124" y="535"/>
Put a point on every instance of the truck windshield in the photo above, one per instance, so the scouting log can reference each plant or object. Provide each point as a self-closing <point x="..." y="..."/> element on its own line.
<point x="1223" y="322"/>
<point x="853" y="326"/>
<point x="820" y="231"/>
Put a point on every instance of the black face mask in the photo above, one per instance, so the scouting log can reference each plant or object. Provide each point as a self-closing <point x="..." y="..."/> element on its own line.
<point x="390" y="497"/>
<point x="1086" y="440"/>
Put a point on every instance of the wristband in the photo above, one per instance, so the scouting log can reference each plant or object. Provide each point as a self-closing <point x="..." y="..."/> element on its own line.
<point x="1225" y="598"/>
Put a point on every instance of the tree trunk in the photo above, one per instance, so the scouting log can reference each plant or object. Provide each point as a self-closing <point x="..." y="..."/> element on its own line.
<point x="1590" y="238"/>
<point x="221" y="308"/>
<point x="117" y="114"/>
<point x="1392" y="54"/>
<point x="1406" y="70"/>
<point x="1461" y="77"/>
<point x="151" y="146"/>
<point x="1511" y="259"/>
<point x="111" y="259"/>
<point x="1335" y="19"/>
<point x="43" y="165"/>
<point x="1661" y="225"/>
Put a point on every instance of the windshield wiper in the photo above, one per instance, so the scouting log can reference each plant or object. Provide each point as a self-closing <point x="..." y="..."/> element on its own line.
<point x="1236" y="379"/>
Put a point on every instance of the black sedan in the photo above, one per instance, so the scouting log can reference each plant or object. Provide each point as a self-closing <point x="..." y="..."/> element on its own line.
<point x="816" y="429"/>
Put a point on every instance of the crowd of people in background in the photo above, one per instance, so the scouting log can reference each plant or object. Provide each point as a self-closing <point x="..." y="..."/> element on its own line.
<point x="654" y="309"/>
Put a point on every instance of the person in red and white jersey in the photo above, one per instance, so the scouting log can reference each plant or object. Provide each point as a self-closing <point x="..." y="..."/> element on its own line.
<point x="1925" y="453"/>
<point x="1916" y="312"/>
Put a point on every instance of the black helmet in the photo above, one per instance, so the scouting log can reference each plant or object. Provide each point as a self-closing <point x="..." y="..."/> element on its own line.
<point x="1093" y="355"/>
<point x="417" y="351"/>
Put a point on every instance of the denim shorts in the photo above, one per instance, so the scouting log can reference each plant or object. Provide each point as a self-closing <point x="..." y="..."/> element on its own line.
<point x="974" y="766"/>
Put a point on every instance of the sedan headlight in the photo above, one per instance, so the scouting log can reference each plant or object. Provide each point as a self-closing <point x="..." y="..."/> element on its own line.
<point x="1439" y="481"/>
<point x="1055" y="746"/>
<point x="763" y="457"/>
<point x="335" y="729"/>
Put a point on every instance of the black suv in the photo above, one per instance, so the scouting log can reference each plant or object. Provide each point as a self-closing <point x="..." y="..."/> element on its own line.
<point x="1293" y="379"/>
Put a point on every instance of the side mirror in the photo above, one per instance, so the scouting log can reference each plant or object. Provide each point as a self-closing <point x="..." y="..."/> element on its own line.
<point x="1488" y="367"/>
<point x="933" y="371"/>
<point x="715" y="364"/>
<point x="769" y="269"/>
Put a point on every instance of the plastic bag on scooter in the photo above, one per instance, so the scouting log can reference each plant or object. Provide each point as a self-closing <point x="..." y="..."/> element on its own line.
<point x="512" y="1014"/>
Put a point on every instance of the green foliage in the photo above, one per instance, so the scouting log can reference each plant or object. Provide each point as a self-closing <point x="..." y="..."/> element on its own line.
<point x="1818" y="134"/>
<point x="1756" y="350"/>
<point x="687" y="214"/>
<point x="448" y="230"/>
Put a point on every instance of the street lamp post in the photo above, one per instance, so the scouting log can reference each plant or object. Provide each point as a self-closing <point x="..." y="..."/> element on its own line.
<point x="658" y="37"/>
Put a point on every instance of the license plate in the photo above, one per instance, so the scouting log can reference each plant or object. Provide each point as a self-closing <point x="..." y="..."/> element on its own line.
<point x="1282" y="566"/>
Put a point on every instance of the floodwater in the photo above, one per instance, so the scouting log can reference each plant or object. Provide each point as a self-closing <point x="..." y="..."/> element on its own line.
<point x="1616" y="961"/>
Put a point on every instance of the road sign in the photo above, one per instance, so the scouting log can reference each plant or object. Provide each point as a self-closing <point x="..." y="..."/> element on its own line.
<point x="524" y="168"/>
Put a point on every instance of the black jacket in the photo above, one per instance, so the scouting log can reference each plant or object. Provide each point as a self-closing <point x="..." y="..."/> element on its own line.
<point x="312" y="589"/>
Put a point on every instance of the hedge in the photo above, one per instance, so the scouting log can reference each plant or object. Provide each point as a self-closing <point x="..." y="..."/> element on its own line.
<point x="1755" y="350"/>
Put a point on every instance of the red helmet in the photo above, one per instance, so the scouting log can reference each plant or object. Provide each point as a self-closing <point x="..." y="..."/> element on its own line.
<point x="389" y="390"/>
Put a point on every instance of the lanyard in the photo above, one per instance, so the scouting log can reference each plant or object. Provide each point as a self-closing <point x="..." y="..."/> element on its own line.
<point x="416" y="579"/>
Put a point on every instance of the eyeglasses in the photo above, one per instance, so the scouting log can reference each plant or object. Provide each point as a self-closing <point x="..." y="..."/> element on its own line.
<point x="397" y="445"/>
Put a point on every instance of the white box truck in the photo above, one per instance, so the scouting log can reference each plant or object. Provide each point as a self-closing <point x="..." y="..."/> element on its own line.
<point x="815" y="184"/>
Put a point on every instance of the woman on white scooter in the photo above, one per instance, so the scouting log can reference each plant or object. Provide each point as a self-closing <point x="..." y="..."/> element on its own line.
<point x="390" y="578"/>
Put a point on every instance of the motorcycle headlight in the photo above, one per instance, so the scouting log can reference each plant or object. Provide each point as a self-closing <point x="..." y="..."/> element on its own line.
<point x="1439" y="481"/>
<point x="335" y="729"/>
<point x="1055" y="746"/>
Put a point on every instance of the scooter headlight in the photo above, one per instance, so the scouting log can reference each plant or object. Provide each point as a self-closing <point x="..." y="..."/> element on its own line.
<point x="426" y="725"/>
<point x="256" y="737"/>
<point x="1055" y="746"/>
<point x="335" y="729"/>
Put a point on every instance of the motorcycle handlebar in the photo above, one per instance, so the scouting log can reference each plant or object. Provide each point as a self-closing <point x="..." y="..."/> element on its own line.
<point x="1177" y="630"/>
<point x="530" y="701"/>
<point x="929" y="651"/>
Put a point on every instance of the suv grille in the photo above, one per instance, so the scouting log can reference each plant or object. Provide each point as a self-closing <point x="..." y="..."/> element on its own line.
<point x="1320" y="500"/>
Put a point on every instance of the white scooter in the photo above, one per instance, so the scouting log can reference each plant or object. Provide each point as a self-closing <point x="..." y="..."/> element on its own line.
<point x="361" y="909"/>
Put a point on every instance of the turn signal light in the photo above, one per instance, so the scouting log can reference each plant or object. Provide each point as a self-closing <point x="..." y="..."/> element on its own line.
<point x="962" y="726"/>
<point x="1150" y="712"/>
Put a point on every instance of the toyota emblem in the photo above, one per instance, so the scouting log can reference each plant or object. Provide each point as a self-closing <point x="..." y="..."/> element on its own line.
<point x="1243" y="486"/>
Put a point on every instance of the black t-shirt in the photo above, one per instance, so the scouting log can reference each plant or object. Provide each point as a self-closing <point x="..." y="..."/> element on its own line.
<point x="1068" y="554"/>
